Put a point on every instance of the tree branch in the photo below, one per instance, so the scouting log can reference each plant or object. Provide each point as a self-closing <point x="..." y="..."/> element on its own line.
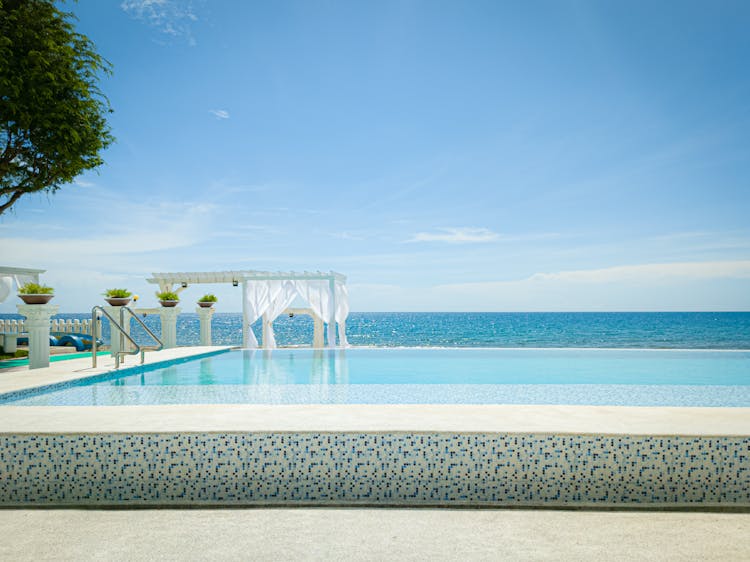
<point x="9" y="202"/>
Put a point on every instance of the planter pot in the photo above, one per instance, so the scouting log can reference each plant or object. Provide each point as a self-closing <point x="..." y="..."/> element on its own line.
<point x="169" y="304"/>
<point x="117" y="301"/>
<point x="36" y="299"/>
<point x="205" y="304"/>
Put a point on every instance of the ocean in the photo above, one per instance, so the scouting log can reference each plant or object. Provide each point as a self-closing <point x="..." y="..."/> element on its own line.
<point x="657" y="330"/>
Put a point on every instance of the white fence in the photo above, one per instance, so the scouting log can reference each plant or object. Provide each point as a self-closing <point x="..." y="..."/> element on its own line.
<point x="59" y="326"/>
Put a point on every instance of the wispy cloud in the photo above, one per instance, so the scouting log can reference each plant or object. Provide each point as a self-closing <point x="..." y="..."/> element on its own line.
<point x="462" y="235"/>
<point x="83" y="183"/>
<point x="219" y="113"/>
<point x="344" y="235"/>
<point x="708" y="285"/>
<point x="684" y="286"/>
<point x="172" y="18"/>
<point x="737" y="269"/>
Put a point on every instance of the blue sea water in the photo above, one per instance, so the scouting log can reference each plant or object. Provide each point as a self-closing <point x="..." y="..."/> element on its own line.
<point x="657" y="330"/>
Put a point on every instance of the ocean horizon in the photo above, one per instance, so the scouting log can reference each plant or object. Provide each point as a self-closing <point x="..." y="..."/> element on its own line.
<point x="641" y="330"/>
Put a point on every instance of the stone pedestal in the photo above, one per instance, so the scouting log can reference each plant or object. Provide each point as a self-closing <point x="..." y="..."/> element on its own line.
<point x="37" y="324"/>
<point x="169" y="325"/>
<point x="205" y="314"/>
<point x="114" y="336"/>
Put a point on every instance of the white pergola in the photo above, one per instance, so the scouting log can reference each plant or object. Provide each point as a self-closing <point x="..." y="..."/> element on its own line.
<point x="19" y="276"/>
<point x="268" y="294"/>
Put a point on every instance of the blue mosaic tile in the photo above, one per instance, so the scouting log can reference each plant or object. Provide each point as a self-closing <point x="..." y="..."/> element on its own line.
<point x="68" y="394"/>
<point x="393" y="468"/>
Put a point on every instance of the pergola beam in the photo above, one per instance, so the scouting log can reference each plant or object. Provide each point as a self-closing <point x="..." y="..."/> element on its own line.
<point x="21" y="271"/>
<point x="196" y="277"/>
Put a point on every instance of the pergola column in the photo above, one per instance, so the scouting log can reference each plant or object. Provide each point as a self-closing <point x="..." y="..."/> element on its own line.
<point x="318" y="339"/>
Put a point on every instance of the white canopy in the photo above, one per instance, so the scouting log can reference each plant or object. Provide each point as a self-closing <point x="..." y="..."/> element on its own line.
<point x="19" y="275"/>
<point x="267" y="294"/>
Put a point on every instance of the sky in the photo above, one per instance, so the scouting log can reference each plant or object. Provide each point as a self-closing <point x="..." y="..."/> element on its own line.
<point x="444" y="156"/>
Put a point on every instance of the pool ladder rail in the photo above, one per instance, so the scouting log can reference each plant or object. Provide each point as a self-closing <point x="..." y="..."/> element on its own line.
<point x="119" y="355"/>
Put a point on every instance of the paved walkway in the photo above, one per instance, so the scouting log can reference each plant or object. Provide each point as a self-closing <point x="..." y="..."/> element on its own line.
<point x="371" y="534"/>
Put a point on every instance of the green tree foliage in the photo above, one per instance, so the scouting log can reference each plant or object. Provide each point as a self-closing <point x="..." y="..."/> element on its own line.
<point x="52" y="114"/>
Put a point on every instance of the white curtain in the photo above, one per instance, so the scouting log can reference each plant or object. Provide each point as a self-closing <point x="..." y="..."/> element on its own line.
<point x="318" y="295"/>
<point x="270" y="298"/>
<point x="257" y="300"/>
<point x="342" y="312"/>
<point x="283" y="294"/>
<point x="6" y="286"/>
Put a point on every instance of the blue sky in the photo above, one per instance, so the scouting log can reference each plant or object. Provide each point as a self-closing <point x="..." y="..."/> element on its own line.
<point x="443" y="155"/>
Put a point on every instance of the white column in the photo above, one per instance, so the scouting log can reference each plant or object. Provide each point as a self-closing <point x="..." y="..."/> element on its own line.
<point x="205" y="314"/>
<point x="332" y="319"/>
<point x="318" y="341"/>
<point x="169" y="325"/>
<point x="114" y="346"/>
<point x="245" y="323"/>
<point x="37" y="324"/>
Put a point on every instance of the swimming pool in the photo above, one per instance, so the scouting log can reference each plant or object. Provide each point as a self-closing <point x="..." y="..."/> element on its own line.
<point x="419" y="376"/>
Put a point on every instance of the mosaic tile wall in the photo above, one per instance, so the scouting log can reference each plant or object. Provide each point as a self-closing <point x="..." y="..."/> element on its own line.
<point x="371" y="468"/>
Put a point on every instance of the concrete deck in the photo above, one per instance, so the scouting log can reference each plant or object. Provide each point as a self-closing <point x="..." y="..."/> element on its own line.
<point x="371" y="534"/>
<point x="579" y="420"/>
<point x="19" y="378"/>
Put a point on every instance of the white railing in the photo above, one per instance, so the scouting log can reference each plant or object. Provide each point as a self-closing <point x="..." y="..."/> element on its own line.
<point x="64" y="326"/>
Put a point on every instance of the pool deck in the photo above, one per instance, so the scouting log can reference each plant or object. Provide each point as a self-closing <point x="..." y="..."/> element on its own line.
<point x="580" y="420"/>
<point x="371" y="534"/>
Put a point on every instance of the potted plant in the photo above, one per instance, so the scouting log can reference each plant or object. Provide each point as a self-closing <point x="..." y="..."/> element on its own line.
<point x="34" y="293"/>
<point x="168" y="298"/>
<point x="207" y="300"/>
<point x="117" y="297"/>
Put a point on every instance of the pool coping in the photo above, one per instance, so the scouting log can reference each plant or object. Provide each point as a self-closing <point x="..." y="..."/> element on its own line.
<point x="375" y="418"/>
<point x="381" y="418"/>
<point x="18" y="379"/>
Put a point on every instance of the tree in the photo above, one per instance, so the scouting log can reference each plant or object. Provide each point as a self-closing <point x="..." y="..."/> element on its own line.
<point x="52" y="114"/>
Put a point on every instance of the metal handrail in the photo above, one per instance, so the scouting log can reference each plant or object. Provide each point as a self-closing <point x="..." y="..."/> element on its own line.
<point x="143" y="325"/>
<point x="113" y="322"/>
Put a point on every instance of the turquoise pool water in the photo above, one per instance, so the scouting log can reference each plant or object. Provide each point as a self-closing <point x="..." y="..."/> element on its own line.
<point x="430" y="376"/>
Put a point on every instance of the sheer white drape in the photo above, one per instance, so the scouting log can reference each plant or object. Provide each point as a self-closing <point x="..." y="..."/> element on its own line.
<point x="342" y="312"/>
<point x="6" y="286"/>
<point x="268" y="299"/>
<point x="283" y="294"/>
<point x="257" y="300"/>
<point x="318" y="295"/>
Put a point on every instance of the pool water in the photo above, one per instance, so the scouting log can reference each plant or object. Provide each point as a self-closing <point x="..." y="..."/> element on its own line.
<point x="427" y="376"/>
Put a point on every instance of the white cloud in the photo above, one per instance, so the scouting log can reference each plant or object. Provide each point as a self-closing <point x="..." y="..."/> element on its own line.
<point x="738" y="269"/>
<point x="689" y="286"/>
<point x="710" y="285"/>
<point x="461" y="235"/>
<point x="169" y="17"/>
<point x="83" y="183"/>
<point x="219" y="113"/>
<point x="344" y="235"/>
